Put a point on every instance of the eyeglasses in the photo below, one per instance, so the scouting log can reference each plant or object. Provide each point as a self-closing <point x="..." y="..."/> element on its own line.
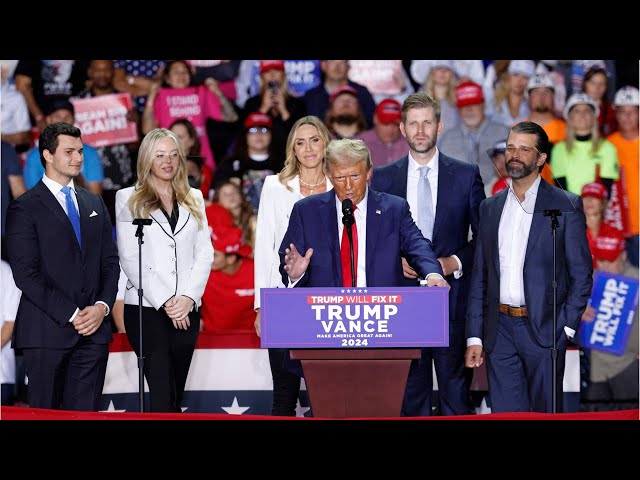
<point x="258" y="130"/>
<point x="523" y="150"/>
<point x="162" y="157"/>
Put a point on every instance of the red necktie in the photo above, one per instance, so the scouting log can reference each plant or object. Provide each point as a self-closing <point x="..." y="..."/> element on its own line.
<point x="345" y="254"/>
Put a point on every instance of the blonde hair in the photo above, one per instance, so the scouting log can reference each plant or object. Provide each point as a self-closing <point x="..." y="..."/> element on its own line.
<point x="501" y="90"/>
<point x="146" y="198"/>
<point x="354" y="151"/>
<point x="291" y="163"/>
<point x="429" y="87"/>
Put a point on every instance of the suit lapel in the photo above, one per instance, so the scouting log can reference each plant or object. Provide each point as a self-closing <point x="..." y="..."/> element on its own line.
<point x="538" y="220"/>
<point x="51" y="202"/>
<point x="329" y="222"/>
<point x="494" y="226"/>
<point x="183" y="218"/>
<point x="158" y="217"/>
<point x="374" y="220"/>
<point x="84" y="208"/>
<point x="445" y="185"/>
<point x="399" y="186"/>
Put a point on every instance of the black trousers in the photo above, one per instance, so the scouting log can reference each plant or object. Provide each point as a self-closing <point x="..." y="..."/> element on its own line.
<point x="286" y="385"/>
<point x="67" y="378"/>
<point x="167" y="353"/>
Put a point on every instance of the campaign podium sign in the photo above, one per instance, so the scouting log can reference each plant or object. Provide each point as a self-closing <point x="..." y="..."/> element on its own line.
<point x="355" y="344"/>
<point x="375" y="317"/>
<point x="615" y="300"/>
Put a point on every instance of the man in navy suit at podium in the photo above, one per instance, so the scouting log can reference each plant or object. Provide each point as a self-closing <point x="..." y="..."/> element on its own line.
<point x="315" y="249"/>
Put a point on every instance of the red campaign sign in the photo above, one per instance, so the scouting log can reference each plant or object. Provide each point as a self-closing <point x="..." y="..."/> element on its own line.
<point x="103" y="120"/>
<point x="617" y="212"/>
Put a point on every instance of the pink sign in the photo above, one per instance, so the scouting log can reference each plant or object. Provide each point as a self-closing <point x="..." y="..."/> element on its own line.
<point x="103" y="120"/>
<point x="379" y="76"/>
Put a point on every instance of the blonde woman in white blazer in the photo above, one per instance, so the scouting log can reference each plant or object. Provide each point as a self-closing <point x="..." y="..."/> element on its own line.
<point x="176" y="262"/>
<point x="301" y="176"/>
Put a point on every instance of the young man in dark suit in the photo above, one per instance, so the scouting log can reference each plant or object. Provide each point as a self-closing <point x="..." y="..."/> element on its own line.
<point x="65" y="262"/>
<point x="452" y="191"/>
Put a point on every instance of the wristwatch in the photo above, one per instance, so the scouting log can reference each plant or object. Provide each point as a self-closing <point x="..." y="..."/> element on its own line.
<point x="131" y="80"/>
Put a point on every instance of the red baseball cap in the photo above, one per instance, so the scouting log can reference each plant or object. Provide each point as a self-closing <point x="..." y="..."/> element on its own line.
<point x="266" y="65"/>
<point x="389" y="111"/>
<point x="229" y="240"/>
<point x="594" y="189"/>
<point x="343" y="89"/>
<point x="257" y="119"/>
<point x="468" y="93"/>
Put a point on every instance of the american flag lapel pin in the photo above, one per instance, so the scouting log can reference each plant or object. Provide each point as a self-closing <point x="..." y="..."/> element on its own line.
<point x="378" y="212"/>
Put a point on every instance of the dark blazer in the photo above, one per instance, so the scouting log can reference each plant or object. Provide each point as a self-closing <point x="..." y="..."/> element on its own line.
<point x="53" y="274"/>
<point x="391" y="234"/>
<point x="460" y="191"/>
<point x="574" y="269"/>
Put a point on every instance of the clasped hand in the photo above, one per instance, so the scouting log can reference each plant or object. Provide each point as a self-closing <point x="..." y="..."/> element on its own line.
<point x="178" y="308"/>
<point x="88" y="320"/>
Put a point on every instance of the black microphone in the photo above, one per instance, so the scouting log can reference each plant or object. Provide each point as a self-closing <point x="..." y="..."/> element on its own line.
<point x="347" y="213"/>
<point x="141" y="222"/>
<point x="348" y="220"/>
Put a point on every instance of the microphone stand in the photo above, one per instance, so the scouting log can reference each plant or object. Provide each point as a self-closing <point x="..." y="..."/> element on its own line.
<point x="348" y="220"/>
<point x="554" y="214"/>
<point x="140" y="222"/>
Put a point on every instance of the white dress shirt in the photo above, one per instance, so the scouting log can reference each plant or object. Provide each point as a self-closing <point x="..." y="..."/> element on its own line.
<point x="14" y="113"/>
<point x="513" y="236"/>
<point x="56" y="189"/>
<point x="413" y="177"/>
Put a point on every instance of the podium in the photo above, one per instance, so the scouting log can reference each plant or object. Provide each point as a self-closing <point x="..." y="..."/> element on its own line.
<point x="356" y="383"/>
<point x="355" y="345"/>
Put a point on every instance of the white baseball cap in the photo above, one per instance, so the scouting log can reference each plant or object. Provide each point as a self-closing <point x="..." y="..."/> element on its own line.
<point x="539" y="81"/>
<point x="577" y="99"/>
<point x="443" y="64"/>
<point x="526" y="68"/>
<point x="627" y="96"/>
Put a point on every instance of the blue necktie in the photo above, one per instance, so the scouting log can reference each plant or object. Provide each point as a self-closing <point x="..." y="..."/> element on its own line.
<point x="425" y="204"/>
<point x="72" y="213"/>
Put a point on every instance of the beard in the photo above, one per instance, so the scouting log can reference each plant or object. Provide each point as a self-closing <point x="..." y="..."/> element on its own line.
<point x="345" y="119"/>
<point x="430" y="143"/>
<point x="517" y="169"/>
<point x="542" y="109"/>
